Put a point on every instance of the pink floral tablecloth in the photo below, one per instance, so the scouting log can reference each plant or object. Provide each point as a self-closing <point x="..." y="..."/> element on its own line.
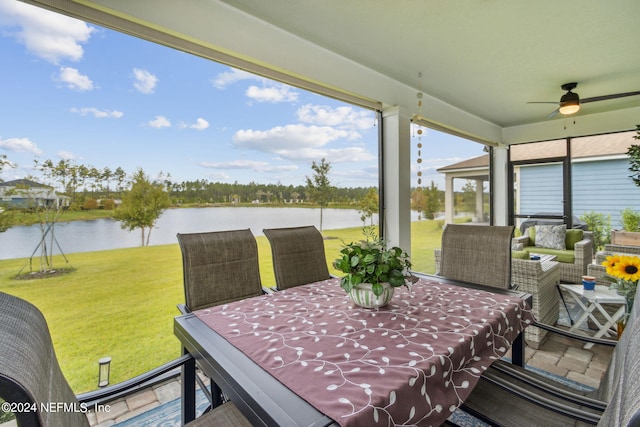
<point x="412" y="362"/>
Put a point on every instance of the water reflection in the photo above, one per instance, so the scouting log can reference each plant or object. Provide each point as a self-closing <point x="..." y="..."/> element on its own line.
<point x="102" y="234"/>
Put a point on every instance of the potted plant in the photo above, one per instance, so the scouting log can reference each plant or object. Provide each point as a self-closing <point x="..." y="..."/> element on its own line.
<point x="631" y="225"/>
<point x="373" y="270"/>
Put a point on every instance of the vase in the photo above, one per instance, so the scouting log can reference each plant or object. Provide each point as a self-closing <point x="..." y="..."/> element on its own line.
<point x="363" y="295"/>
<point x="629" y="295"/>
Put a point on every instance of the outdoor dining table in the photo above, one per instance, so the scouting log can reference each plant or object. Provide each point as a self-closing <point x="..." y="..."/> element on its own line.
<point x="309" y="356"/>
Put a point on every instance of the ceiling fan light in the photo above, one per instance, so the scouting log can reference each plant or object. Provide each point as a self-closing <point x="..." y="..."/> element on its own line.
<point x="569" y="108"/>
<point x="569" y="103"/>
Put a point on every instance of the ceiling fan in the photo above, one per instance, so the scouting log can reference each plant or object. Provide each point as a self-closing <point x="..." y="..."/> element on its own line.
<point x="570" y="102"/>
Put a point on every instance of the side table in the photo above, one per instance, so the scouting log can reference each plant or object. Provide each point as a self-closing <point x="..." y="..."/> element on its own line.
<point x="594" y="300"/>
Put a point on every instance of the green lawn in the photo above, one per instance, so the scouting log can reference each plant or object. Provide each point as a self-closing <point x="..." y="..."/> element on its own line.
<point x="121" y="303"/>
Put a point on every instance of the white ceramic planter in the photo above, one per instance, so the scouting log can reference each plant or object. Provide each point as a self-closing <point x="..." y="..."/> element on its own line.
<point x="363" y="296"/>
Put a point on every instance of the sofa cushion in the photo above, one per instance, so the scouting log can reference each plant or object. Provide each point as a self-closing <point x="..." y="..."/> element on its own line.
<point x="550" y="236"/>
<point x="520" y="254"/>
<point x="573" y="236"/>
<point x="561" y="256"/>
<point x="532" y="236"/>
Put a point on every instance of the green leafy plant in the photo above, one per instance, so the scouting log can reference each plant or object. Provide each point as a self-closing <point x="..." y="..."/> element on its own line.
<point x="600" y="226"/>
<point x="634" y="159"/>
<point x="630" y="220"/>
<point x="370" y="261"/>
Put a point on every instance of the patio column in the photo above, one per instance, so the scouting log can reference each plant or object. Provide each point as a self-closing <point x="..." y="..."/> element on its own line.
<point x="396" y="144"/>
<point x="499" y="183"/>
<point x="479" y="200"/>
<point x="449" y="199"/>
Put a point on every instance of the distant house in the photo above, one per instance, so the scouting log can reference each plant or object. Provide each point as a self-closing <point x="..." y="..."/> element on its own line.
<point x="599" y="174"/>
<point x="25" y="193"/>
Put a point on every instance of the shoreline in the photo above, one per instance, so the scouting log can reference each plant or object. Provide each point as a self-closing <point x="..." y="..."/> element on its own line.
<point x="89" y="215"/>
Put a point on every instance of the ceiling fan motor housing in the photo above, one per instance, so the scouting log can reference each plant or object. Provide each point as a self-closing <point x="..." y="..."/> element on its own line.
<point x="569" y="98"/>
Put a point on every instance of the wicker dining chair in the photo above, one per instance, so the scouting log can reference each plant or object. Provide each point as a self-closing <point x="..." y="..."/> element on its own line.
<point x="477" y="254"/>
<point x="31" y="376"/>
<point x="298" y="256"/>
<point x="219" y="267"/>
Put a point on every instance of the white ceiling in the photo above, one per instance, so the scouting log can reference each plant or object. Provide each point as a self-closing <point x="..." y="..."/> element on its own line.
<point x="481" y="61"/>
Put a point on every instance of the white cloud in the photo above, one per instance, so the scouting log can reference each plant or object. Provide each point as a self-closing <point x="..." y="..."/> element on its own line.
<point x="269" y="91"/>
<point x="200" y="124"/>
<point x="282" y="168"/>
<point x="74" y="80"/>
<point x="232" y="76"/>
<point x="234" y="164"/>
<point x="274" y="94"/>
<point x="333" y="155"/>
<point x="48" y="35"/>
<point x="20" y="145"/>
<point x="342" y="117"/>
<point x="66" y="155"/>
<point x="159" y="122"/>
<point x="287" y="137"/>
<point x="145" y="82"/>
<point x="99" y="114"/>
<point x="300" y="143"/>
<point x="253" y="165"/>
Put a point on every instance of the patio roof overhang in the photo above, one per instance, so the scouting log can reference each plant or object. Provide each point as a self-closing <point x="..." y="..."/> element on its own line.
<point x="480" y="62"/>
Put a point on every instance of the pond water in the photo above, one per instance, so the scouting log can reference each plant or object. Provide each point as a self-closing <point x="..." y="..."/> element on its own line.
<point x="102" y="234"/>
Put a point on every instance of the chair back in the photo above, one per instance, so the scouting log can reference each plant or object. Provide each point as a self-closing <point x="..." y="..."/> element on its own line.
<point x="623" y="377"/>
<point x="298" y="256"/>
<point x="219" y="267"/>
<point x="477" y="254"/>
<point x="29" y="370"/>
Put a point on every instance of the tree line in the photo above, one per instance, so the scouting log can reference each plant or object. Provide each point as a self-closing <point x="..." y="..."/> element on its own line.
<point x="83" y="183"/>
<point x="137" y="195"/>
<point x="89" y="187"/>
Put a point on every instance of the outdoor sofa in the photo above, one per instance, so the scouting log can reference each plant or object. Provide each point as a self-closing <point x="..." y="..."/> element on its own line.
<point x="573" y="259"/>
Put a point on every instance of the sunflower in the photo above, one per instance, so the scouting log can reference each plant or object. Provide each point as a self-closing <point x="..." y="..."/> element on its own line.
<point x="610" y="263"/>
<point x="627" y="268"/>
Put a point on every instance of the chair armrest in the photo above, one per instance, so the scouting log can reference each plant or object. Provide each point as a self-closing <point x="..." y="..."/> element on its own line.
<point x="524" y="240"/>
<point x="584" y="250"/>
<point x="132" y="385"/>
<point x="522" y="374"/>
<point x="583" y="338"/>
<point x="601" y="256"/>
<point x="493" y="376"/>
<point x="183" y="309"/>
<point x="625" y="249"/>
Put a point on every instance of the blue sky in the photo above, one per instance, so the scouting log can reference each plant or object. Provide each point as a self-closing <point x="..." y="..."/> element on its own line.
<point x="75" y="91"/>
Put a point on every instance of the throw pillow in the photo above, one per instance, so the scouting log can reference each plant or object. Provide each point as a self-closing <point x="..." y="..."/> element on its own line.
<point x="520" y="254"/>
<point x="574" y="235"/>
<point x="551" y="236"/>
<point x="532" y="236"/>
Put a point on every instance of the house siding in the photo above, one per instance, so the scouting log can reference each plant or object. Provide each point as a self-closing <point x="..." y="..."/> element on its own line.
<point x="540" y="189"/>
<point x="601" y="186"/>
<point x="604" y="186"/>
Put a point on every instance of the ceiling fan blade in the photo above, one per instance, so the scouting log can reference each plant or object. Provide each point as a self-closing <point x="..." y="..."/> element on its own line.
<point x="605" y="97"/>
<point x="553" y="113"/>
